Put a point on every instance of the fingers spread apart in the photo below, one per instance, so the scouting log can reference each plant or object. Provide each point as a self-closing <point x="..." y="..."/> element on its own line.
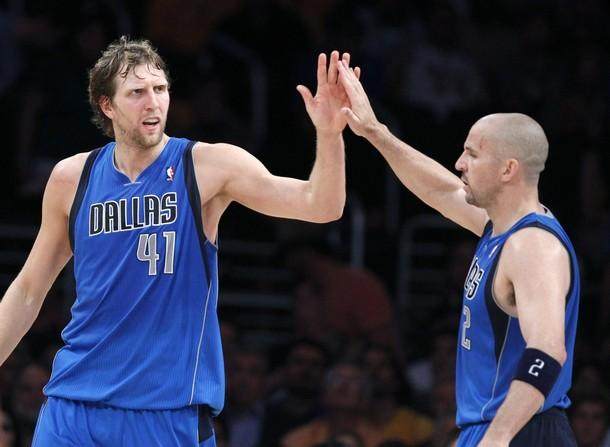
<point x="333" y="74"/>
<point x="322" y="75"/>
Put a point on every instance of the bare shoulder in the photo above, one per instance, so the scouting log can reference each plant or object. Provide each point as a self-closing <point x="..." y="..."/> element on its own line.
<point x="215" y="153"/>
<point x="535" y="248"/>
<point x="534" y="240"/>
<point x="213" y="163"/>
<point x="214" y="147"/>
<point x="63" y="182"/>
<point x="68" y="170"/>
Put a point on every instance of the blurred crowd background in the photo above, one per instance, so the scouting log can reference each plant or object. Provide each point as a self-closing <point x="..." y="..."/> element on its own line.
<point x="344" y="334"/>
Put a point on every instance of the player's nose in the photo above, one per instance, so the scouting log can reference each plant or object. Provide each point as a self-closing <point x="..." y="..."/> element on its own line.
<point x="460" y="165"/>
<point x="152" y="102"/>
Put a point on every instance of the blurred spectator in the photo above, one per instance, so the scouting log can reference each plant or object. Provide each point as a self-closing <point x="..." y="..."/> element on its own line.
<point x="395" y="421"/>
<point x="590" y="421"/>
<point x="444" y="303"/>
<point x="44" y="335"/>
<point x="192" y="23"/>
<point x="8" y="430"/>
<point x="441" y="78"/>
<point x="11" y="368"/>
<point x="345" y="403"/>
<point x="245" y="409"/>
<point x="54" y="114"/>
<point x="392" y="444"/>
<point x="230" y="336"/>
<point x="295" y="388"/>
<point x="267" y="29"/>
<point x="424" y="374"/>
<point x="443" y="409"/>
<point x="337" y="303"/>
<point x="27" y="32"/>
<point x="27" y="399"/>
<point x="589" y="379"/>
<point x="349" y="439"/>
<point x="458" y="262"/>
<point x="48" y="355"/>
<point x="346" y="439"/>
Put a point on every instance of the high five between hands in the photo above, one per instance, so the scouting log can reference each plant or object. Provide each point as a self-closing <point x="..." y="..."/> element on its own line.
<point x="328" y="108"/>
<point x="360" y="115"/>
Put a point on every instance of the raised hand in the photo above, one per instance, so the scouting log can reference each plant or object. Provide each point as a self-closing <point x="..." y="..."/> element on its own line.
<point x="325" y="107"/>
<point x="359" y="114"/>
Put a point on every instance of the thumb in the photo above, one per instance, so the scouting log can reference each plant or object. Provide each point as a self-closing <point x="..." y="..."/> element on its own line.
<point x="305" y="94"/>
<point x="352" y="120"/>
<point x="350" y="115"/>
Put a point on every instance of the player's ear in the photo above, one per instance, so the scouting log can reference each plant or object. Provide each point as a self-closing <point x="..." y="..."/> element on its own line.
<point x="510" y="169"/>
<point x="106" y="106"/>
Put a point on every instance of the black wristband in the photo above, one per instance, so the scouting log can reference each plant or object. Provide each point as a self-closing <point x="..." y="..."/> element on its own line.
<point x="538" y="369"/>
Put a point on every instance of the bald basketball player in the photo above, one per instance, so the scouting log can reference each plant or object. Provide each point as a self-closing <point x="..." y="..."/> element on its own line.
<point x="520" y="298"/>
<point x="142" y="352"/>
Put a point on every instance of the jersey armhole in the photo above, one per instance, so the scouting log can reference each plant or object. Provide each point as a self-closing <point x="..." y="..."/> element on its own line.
<point x="192" y="188"/>
<point x="80" y="192"/>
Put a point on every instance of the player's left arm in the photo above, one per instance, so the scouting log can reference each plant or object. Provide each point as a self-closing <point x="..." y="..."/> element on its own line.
<point x="320" y="198"/>
<point x="538" y="266"/>
<point x="244" y="179"/>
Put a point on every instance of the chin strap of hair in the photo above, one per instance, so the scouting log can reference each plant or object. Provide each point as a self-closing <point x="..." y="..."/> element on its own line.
<point x="538" y="369"/>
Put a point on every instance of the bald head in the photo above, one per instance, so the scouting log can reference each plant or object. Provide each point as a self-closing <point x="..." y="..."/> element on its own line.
<point x="515" y="135"/>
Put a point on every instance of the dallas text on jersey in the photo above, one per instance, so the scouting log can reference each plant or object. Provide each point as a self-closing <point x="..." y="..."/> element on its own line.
<point x="140" y="212"/>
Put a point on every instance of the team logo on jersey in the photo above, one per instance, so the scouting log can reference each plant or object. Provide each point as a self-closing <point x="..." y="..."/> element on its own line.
<point x="170" y="174"/>
<point x="473" y="279"/>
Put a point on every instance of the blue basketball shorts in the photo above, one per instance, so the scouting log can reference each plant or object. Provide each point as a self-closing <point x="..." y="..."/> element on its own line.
<point x="68" y="423"/>
<point x="548" y="429"/>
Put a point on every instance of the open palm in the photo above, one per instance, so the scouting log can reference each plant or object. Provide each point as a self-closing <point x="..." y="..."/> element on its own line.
<point x="324" y="108"/>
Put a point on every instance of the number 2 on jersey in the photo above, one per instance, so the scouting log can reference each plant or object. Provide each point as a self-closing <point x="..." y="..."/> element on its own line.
<point x="147" y="251"/>
<point x="466" y="325"/>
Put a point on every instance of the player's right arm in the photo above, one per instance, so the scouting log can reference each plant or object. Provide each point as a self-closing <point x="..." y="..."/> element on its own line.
<point x="427" y="179"/>
<point x="51" y="251"/>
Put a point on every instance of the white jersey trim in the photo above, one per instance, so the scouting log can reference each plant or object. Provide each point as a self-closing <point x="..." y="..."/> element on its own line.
<point x="205" y="314"/>
<point x="493" y="390"/>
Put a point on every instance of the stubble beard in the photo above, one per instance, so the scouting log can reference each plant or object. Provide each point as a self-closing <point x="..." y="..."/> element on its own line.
<point x="136" y="138"/>
<point x="147" y="141"/>
<point x="483" y="199"/>
<point x="470" y="199"/>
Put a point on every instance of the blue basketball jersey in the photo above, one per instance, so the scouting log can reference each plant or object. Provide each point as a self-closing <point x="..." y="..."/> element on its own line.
<point x="490" y="342"/>
<point x="144" y="331"/>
